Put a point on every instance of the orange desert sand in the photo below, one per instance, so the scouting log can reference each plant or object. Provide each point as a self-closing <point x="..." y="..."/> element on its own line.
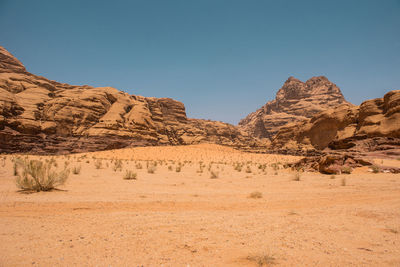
<point x="181" y="216"/>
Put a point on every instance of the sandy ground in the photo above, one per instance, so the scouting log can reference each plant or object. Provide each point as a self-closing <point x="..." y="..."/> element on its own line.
<point x="186" y="218"/>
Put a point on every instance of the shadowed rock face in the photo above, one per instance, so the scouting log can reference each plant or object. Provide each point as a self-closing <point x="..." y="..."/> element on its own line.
<point x="38" y="115"/>
<point x="295" y="102"/>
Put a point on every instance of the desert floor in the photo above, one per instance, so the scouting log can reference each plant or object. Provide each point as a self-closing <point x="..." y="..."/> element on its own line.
<point x="181" y="216"/>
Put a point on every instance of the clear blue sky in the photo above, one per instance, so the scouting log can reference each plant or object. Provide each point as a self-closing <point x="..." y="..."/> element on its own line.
<point x="222" y="58"/>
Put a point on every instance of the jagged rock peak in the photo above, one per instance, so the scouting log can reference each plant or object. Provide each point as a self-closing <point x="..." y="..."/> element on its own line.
<point x="293" y="88"/>
<point x="295" y="101"/>
<point x="8" y="63"/>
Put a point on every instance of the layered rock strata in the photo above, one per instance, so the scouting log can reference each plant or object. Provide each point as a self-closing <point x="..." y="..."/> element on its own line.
<point x="38" y="115"/>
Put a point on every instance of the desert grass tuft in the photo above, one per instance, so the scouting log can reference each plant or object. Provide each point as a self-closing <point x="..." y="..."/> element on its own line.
<point x="117" y="165"/>
<point x="76" y="169"/>
<point x="262" y="260"/>
<point x="296" y="177"/>
<point x="130" y="175"/>
<point x="248" y="169"/>
<point x="213" y="174"/>
<point x="15" y="168"/>
<point x="98" y="164"/>
<point x="375" y="169"/>
<point x="256" y="194"/>
<point x="139" y="166"/>
<point x="238" y="167"/>
<point x="151" y="169"/>
<point x="392" y="230"/>
<point x="346" y="169"/>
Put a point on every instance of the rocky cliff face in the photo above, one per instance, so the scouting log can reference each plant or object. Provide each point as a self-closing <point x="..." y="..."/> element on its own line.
<point x="38" y="115"/>
<point x="295" y="102"/>
<point x="374" y="126"/>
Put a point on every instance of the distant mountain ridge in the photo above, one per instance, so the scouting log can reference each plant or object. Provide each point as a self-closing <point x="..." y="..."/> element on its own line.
<point x="38" y="115"/>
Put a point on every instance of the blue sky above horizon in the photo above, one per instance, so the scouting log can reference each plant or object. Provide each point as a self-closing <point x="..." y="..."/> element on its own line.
<point x="222" y="58"/>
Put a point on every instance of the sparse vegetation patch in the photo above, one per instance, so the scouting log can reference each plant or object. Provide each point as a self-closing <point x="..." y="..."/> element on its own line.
<point x="36" y="175"/>
<point x="130" y="175"/>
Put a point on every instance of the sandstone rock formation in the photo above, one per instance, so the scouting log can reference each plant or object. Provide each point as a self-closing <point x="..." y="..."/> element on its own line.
<point x="372" y="126"/>
<point x="38" y="115"/>
<point x="295" y="102"/>
<point x="331" y="164"/>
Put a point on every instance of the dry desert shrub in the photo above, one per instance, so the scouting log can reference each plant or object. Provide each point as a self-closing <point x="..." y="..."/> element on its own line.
<point x="248" y="169"/>
<point x="151" y="169"/>
<point x="346" y="169"/>
<point x="178" y="168"/>
<point x="375" y="169"/>
<point x="117" y="165"/>
<point x="262" y="167"/>
<point x="256" y="194"/>
<point x="238" y="167"/>
<point x="76" y="169"/>
<point x="296" y="177"/>
<point x="213" y="175"/>
<point x="275" y="166"/>
<point x="15" y="168"/>
<point x="200" y="170"/>
<point x="66" y="164"/>
<point x="392" y="230"/>
<point x="130" y="175"/>
<point x="38" y="176"/>
<point x="139" y="165"/>
<point x="262" y="260"/>
<point x="98" y="164"/>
